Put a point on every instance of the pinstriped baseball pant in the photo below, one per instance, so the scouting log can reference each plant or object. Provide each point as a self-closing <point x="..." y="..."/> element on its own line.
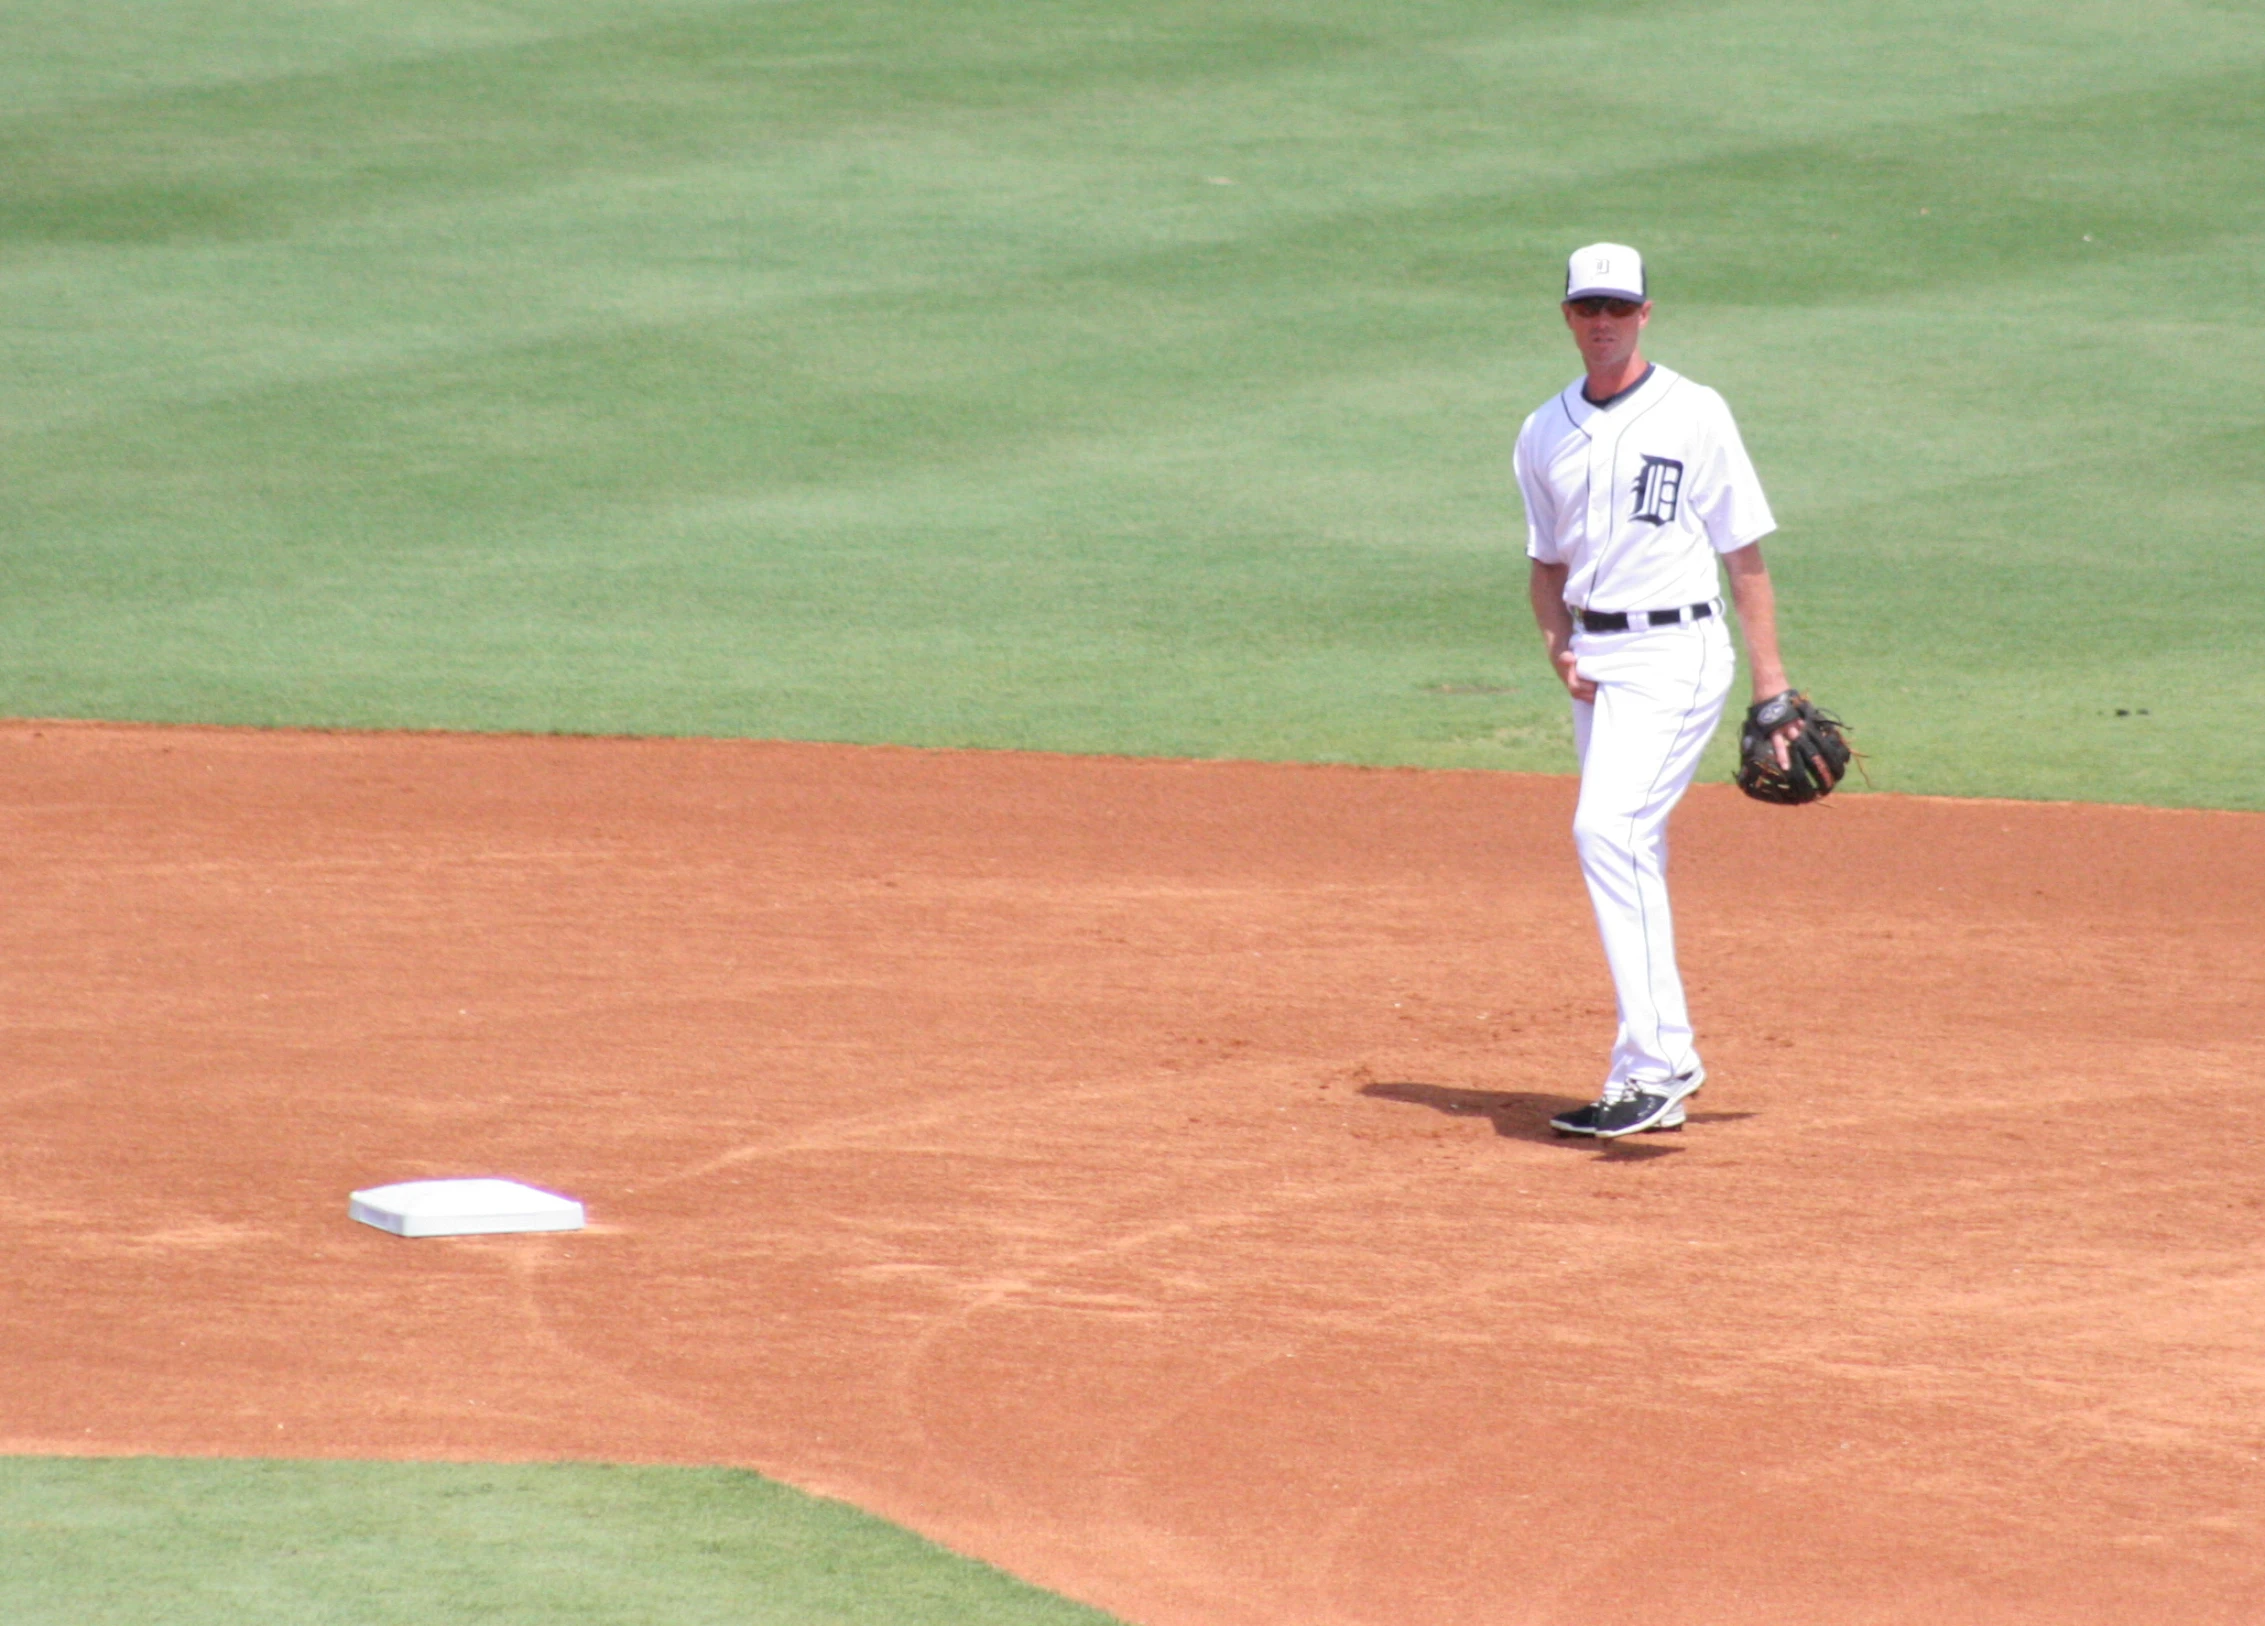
<point x="1660" y="693"/>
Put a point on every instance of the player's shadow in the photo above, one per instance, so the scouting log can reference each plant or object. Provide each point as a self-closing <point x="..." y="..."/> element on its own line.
<point x="1525" y="1115"/>
<point x="1515" y="1114"/>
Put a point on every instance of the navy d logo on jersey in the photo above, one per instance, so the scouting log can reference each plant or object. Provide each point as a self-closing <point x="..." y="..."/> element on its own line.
<point x="1658" y="486"/>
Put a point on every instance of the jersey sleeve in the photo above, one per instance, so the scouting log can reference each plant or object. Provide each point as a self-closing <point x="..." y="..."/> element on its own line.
<point x="1541" y="508"/>
<point x="1729" y="500"/>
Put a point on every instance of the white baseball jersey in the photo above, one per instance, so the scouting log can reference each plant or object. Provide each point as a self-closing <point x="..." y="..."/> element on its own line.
<point x="1636" y="498"/>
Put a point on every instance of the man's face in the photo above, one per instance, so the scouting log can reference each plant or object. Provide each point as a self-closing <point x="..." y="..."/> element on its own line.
<point x="1607" y="330"/>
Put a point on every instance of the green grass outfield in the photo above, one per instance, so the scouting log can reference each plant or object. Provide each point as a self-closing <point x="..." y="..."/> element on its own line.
<point x="1091" y="375"/>
<point x="1118" y="375"/>
<point x="223" y="1543"/>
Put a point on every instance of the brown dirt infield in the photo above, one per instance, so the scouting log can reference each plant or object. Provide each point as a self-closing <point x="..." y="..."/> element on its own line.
<point x="1135" y="1173"/>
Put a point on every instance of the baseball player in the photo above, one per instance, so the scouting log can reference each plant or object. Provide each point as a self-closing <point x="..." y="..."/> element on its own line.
<point x="1635" y="482"/>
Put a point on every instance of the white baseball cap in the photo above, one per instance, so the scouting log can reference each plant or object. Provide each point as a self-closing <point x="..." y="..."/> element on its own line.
<point x="1606" y="270"/>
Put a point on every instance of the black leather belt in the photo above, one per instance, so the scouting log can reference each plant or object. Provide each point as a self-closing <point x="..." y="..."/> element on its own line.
<point x="1622" y="620"/>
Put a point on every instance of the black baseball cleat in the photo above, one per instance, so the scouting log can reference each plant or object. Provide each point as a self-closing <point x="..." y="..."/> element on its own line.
<point x="1583" y="1120"/>
<point x="1643" y="1105"/>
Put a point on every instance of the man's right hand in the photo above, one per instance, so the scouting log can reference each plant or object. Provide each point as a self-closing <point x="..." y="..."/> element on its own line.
<point x="1569" y="673"/>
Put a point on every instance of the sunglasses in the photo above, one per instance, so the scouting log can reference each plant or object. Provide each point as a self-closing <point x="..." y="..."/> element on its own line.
<point x="1604" y="307"/>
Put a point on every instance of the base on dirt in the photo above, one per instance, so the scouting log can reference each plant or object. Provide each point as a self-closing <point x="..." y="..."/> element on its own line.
<point x="463" y="1208"/>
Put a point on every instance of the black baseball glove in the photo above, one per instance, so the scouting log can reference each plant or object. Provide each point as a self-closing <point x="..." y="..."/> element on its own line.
<point x="1816" y="758"/>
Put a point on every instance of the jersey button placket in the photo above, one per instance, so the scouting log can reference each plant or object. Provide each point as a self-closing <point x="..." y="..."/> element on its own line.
<point x="1603" y="445"/>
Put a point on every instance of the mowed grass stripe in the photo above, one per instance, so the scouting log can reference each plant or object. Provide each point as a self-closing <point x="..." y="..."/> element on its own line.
<point x="861" y="382"/>
<point x="909" y="375"/>
<point x="120" y="1542"/>
<point x="2125" y="163"/>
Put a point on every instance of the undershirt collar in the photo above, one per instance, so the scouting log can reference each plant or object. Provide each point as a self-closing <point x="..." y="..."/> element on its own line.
<point x="1611" y="401"/>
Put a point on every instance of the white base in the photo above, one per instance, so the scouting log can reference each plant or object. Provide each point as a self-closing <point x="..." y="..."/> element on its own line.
<point x="463" y="1208"/>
